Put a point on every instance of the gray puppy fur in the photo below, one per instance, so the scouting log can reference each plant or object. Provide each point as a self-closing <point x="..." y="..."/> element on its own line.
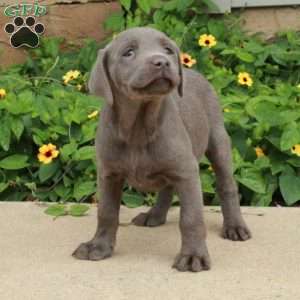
<point x="158" y="121"/>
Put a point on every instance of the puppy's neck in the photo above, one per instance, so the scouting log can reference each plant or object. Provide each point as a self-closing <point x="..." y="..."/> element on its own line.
<point x="138" y="122"/>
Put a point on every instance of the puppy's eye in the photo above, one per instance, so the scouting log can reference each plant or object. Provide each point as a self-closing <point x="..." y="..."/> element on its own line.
<point x="128" y="52"/>
<point x="169" y="50"/>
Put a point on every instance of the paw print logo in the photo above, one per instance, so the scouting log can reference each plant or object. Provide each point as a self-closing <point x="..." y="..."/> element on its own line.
<point x="24" y="32"/>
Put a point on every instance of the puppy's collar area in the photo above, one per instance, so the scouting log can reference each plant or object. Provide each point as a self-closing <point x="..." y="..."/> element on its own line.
<point x="138" y="124"/>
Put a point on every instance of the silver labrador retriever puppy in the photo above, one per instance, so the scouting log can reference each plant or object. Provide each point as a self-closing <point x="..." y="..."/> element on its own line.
<point x="158" y="121"/>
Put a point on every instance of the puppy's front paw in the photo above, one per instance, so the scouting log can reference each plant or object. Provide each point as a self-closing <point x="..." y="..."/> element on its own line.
<point x="192" y="262"/>
<point x="149" y="219"/>
<point x="93" y="250"/>
<point x="236" y="232"/>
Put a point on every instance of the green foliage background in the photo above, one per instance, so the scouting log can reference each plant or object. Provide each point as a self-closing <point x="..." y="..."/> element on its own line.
<point x="39" y="109"/>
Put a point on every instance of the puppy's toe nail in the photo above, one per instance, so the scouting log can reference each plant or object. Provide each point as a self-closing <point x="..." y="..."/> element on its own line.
<point x="182" y="264"/>
<point x="244" y="234"/>
<point x="81" y="252"/>
<point x="140" y="219"/>
<point x="97" y="254"/>
<point x="233" y="235"/>
<point x="196" y="264"/>
<point x="236" y="233"/>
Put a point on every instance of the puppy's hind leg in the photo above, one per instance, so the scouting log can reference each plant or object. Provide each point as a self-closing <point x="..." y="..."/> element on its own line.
<point x="157" y="215"/>
<point x="219" y="153"/>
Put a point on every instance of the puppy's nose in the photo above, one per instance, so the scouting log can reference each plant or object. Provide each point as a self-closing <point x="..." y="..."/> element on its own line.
<point x="159" y="61"/>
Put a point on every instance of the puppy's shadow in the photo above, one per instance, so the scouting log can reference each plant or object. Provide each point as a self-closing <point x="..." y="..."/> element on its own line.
<point x="163" y="240"/>
<point x="214" y="228"/>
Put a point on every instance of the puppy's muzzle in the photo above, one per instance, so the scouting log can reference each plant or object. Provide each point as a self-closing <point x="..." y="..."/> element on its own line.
<point x="159" y="62"/>
<point x="156" y="70"/>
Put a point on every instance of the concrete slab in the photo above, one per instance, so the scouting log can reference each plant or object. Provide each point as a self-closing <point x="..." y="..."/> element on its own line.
<point x="36" y="261"/>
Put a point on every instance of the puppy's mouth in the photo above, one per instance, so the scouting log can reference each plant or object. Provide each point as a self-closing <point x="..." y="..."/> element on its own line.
<point x="158" y="85"/>
<point x="161" y="82"/>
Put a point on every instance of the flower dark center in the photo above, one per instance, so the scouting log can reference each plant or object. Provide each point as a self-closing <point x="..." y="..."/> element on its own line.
<point x="245" y="79"/>
<point x="186" y="60"/>
<point x="48" y="153"/>
<point x="294" y="148"/>
<point x="207" y="42"/>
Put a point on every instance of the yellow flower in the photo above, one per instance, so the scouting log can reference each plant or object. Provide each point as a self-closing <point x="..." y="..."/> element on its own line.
<point x="79" y="87"/>
<point x="70" y="76"/>
<point x="187" y="60"/>
<point x="259" y="152"/>
<point x="2" y="93"/>
<point x="298" y="86"/>
<point x="244" y="78"/>
<point x="296" y="149"/>
<point x="94" y="114"/>
<point x="207" y="40"/>
<point x="226" y="110"/>
<point x="47" y="153"/>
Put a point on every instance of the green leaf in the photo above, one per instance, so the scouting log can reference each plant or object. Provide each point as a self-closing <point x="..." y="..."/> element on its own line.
<point x="262" y="162"/>
<point x="207" y="180"/>
<point x="290" y="136"/>
<point x="133" y="200"/>
<point x="158" y="16"/>
<point x="170" y="5"/>
<point x="31" y="186"/>
<point x="67" y="181"/>
<point x="294" y="161"/>
<point x="264" y="111"/>
<point x="22" y="104"/>
<point x="266" y="199"/>
<point x="126" y="4"/>
<point x="67" y="150"/>
<point x="3" y="186"/>
<point x="56" y="210"/>
<point x="144" y="5"/>
<point x="46" y="171"/>
<point x="211" y="5"/>
<point x="289" y="184"/>
<point x="78" y="210"/>
<point x="86" y="152"/>
<point x="63" y="192"/>
<point x="88" y="131"/>
<point x="82" y="189"/>
<point x="252" y="179"/>
<point x="245" y="56"/>
<point x="5" y="134"/>
<point x="14" y="195"/>
<point x="14" y="162"/>
<point x="17" y="127"/>
<point x="51" y="46"/>
<point x="184" y="4"/>
<point x="278" y="162"/>
<point x="216" y="28"/>
<point x="254" y="47"/>
<point x="115" y="22"/>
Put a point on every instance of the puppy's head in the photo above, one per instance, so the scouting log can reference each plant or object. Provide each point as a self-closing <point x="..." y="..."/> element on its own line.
<point x="141" y="63"/>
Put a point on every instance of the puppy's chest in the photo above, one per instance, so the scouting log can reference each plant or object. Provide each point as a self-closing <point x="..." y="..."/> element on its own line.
<point x="143" y="170"/>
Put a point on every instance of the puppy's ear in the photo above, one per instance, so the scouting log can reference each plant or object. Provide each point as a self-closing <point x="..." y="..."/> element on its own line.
<point x="180" y="69"/>
<point x="99" y="83"/>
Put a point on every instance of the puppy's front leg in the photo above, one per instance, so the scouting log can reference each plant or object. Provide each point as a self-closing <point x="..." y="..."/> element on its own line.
<point x="102" y="245"/>
<point x="193" y="255"/>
